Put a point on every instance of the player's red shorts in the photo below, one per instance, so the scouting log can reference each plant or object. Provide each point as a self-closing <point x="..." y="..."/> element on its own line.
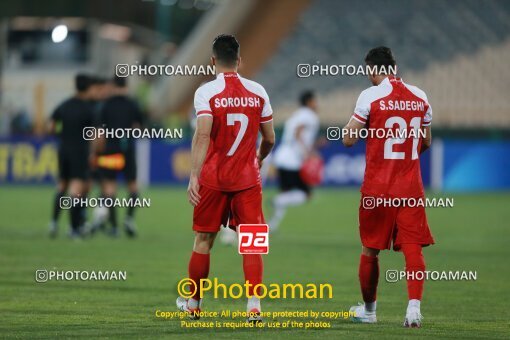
<point x="217" y="207"/>
<point x="379" y="226"/>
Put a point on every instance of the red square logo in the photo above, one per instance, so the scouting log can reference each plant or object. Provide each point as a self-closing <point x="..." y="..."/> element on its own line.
<point x="253" y="238"/>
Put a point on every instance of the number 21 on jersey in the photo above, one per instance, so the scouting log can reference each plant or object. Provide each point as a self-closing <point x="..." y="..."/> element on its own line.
<point x="402" y="127"/>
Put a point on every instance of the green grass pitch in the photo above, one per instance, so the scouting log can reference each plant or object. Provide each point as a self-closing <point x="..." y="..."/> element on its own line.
<point x="317" y="243"/>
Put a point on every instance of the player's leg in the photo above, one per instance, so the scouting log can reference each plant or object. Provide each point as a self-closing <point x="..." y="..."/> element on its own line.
<point x="129" y="222"/>
<point x="63" y="181"/>
<point x="412" y="234"/>
<point x="207" y="219"/>
<point x="87" y="185"/>
<point x="198" y="267"/>
<point x="76" y="187"/>
<point x="228" y="235"/>
<point x="368" y="274"/>
<point x="293" y="193"/>
<point x="109" y="190"/>
<point x="247" y="208"/>
<point x="130" y="175"/>
<point x="376" y="226"/>
<point x="79" y="175"/>
<point x="253" y="268"/>
<point x="99" y="214"/>
<point x="415" y="263"/>
<point x="60" y="192"/>
<point x="81" y="170"/>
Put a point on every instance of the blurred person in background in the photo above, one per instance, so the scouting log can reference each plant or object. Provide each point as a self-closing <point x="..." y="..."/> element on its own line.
<point x="67" y="122"/>
<point x="101" y="89"/>
<point x="119" y="112"/>
<point x="297" y="145"/>
<point x="21" y="123"/>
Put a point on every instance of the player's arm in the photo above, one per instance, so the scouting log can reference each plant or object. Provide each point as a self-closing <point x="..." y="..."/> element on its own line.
<point x="299" y="137"/>
<point x="267" y="143"/>
<point x="138" y="118"/>
<point x="266" y="130"/>
<point x="426" y="129"/>
<point x="97" y="145"/>
<point x="51" y="127"/>
<point x="427" y="138"/>
<point x="199" y="147"/>
<point x="351" y="132"/>
<point x="358" y="120"/>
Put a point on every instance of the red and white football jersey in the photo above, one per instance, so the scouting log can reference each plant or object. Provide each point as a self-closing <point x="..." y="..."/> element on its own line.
<point x="392" y="164"/>
<point x="238" y="106"/>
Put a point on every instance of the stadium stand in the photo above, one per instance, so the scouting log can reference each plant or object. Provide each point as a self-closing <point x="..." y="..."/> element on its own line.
<point x="462" y="40"/>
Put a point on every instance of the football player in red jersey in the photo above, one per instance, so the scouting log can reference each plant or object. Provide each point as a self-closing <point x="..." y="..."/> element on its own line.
<point x="225" y="163"/>
<point x="392" y="171"/>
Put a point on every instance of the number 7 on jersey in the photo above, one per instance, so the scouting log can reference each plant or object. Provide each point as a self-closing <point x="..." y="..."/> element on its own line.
<point x="232" y="118"/>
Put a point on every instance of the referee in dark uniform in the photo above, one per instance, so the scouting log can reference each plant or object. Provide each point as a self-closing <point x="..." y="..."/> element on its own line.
<point x="68" y="121"/>
<point x="120" y="112"/>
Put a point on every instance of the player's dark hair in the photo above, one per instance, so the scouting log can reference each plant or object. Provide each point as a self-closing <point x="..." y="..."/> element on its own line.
<point x="119" y="81"/>
<point x="100" y="81"/>
<point x="306" y="97"/>
<point x="226" y="49"/>
<point x="82" y="82"/>
<point x="381" y="57"/>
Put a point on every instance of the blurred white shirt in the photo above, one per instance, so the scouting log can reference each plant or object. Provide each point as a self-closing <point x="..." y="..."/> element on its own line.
<point x="290" y="155"/>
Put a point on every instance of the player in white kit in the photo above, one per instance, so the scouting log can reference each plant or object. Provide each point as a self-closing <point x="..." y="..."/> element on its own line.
<point x="297" y="145"/>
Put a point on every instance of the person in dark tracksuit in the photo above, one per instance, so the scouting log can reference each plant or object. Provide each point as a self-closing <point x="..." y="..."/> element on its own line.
<point x="120" y="112"/>
<point x="68" y="122"/>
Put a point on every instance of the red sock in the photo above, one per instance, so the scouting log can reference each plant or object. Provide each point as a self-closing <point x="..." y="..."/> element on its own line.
<point x="198" y="269"/>
<point x="414" y="263"/>
<point x="253" y="267"/>
<point x="368" y="277"/>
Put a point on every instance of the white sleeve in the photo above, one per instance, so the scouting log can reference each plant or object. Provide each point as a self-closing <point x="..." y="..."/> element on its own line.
<point x="427" y="119"/>
<point x="362" y="109"/>
<point x="267" y="110"/>
<point x="201" y="102"/>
